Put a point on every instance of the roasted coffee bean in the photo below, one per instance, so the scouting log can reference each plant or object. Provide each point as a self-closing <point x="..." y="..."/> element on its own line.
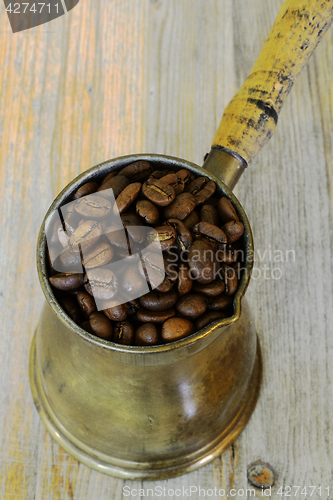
<point x="129" y="219"/>
<point x="116" y="312"/>
<point x="181" y="207"/>
<point x="185" y="175"/>
<point x="165" y="286"/>
<point x="132" y="223"/>
<point x="209" y="214"/>
<point x="220" y="303"/>
<point x="120" y="255"/>
<point x="231" y="280"/>
<point x="156" y="301"/>
<point x="179" y="187"/>
<point x="210" y="231"/>
<point x="171" y="265"/>
<point x="233" y="230"/>
<point x="158" y="192"/>
<point x="70" y="306"/>
<point x="97" y="256"/>
<point x="101" y="283"/>
<point x="104" y="224"/>
<point x="124" y="259"/>
<point x="146" y="334"/>
<point x="238" y="249"/>
<point x="176" y="328"/>
<point x="153" y="268"/>
<point x="184" y="236"/>
<point x="133" y="306"/>
<point x="158" y="174"/>
<point x="86" y="303"/>
<point x="127" y="197"/>
<point x="93" y="207"/>
<point x="101" y="325"/>
<point x="147" y="211"/>
<point x="165" y="235"/>
<point x="205" y="193"/>
<point x="196" y="185"/>
<point x="191" y="220"/>
<point x="212" y="289"/>
<point x="147" y="316"/>
<point x="85" y="236"/>
<point x="192" y="305"/>
<point x="118" y="238"/>
<point x="67" y="261"/>
<point x="226" y="210"/>
<point x="116" y="183"/>
<point x="66" y="281"/>
<point x="85" y="325"/>
<point x="239" y="268"/>
<point x="123" y="333"/>
<point x="175" y="181"/>
<point x="201" y="261"/>
<point x="170" y="178"/>
<point x="109" y="176"/>
<point x="207" y="318"/>
<point x="132" y="282"/>
<point x="226" y="254"/>
<point x="85" y="189"/>
<point x="138" y="171"/>
<point x="184" y="280"/>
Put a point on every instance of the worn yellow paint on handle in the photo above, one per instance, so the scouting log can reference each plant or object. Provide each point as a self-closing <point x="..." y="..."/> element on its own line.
<point x="250" y="118"/>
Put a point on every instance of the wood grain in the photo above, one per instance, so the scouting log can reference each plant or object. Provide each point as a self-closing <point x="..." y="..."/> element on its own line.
<point x="113" y="78"/>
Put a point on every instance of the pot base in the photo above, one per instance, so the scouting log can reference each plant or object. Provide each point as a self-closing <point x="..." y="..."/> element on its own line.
<point x="106" y="465"/>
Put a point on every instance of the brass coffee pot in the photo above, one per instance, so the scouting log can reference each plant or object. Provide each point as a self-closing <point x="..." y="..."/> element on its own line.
<point x="157" y="412"/>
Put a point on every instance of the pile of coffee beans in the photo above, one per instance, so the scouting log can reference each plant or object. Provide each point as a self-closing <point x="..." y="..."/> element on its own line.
<point x="196" y="272"/>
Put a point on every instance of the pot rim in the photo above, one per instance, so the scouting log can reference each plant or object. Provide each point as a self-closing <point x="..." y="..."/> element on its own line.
<point x="99" y="170"/>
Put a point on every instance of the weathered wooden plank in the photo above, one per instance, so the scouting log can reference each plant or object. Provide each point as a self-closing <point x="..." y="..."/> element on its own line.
<point x="113" y="78"/>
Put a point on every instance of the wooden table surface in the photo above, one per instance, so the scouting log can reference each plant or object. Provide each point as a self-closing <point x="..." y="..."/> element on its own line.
<point x="115" y="77"/>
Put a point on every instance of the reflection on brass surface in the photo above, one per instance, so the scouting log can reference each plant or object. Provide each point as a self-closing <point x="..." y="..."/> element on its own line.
<point x="225" y="166"/>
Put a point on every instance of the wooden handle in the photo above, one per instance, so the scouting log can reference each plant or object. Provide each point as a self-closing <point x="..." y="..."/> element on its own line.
<point x="250" y="118"/>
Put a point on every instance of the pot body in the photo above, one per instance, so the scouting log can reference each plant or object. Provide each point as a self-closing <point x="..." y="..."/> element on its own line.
<point x="151" y="412"/>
